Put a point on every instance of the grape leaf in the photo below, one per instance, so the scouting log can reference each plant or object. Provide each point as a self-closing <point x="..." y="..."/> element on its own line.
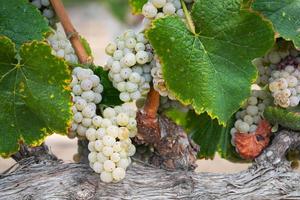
<point x="212" y="137"/>
<point x="110" y="94"/>
<point x="137" y="5"/>
<point x="21" y="21"/>
<point x="34" y="93"/>
<point x="212" y="70"/>
<point x="247" y="3"/>
<point x="288" y="118"/>
<point x="284" y="15"/>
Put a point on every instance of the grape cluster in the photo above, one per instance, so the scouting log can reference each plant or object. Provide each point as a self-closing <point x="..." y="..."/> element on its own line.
<point x="269" y="63"/>
<point x="159" y="83"/>
<point x="46" y="9"/>
<point x="86" y="91"/>
<point x="280" y="70"/>
<point x="110" y="144"/>
<point x="61" y="46"/>
<point x="130" y="64"/>
<point x="159" y="8"/>
<point x="251" y="114"/>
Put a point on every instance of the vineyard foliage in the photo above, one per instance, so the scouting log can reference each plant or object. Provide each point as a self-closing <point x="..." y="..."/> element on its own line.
<point x="209" y="68"/>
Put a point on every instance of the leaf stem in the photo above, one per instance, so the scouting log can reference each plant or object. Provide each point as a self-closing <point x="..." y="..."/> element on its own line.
<point x="70" y="31"/>
<point x="188" y="18"/>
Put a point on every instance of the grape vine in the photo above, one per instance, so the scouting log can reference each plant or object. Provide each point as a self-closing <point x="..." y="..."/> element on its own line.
<point x="225" y="74"/>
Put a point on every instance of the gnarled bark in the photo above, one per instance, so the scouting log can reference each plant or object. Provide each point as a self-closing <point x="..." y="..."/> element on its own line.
<point x="270" y="177"/>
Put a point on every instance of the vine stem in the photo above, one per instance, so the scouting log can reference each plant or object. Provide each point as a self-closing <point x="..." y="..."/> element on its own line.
<point x="152" y="103"/>
<point x="188" y="18"/>
<point x="70" y="31"/>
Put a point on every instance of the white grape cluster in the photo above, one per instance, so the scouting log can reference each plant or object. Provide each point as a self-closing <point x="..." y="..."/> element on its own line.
<point x="251" y="114"/>
<point x="154" y="9"/>
<point x="110" y="144"/>
<point x="61" y="46"/>
<point x="285" y="86"/>
<point x="46" y="9"/>
<point x="86" y="91"/>
<point x="130" y="65"/>
<point x="159" y="83"/>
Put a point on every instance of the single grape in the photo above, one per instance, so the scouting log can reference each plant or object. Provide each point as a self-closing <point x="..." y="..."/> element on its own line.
<point x="111" y="48"/>
<point x="91" y="134"/>
<point x="130" y="59"/>
<point x="169" y="9"/>
<point x="98" y="167"/>
<point x="109" y="165"/>
<point x="122" y="119"/>
<point x="92" y="157"/>
<point x="98" y="145"/>
<point x="78" y="117"/>
<point x="118" y="174"/>
<point x="106" y="177"/>
<point x="113" y="131"/>
<point x="108" y="140"/>
<point x="115" y="157"/>
<point x="142" y="57"/>
<point x="149" y="10"/>
<point x="107" y="150"/>
<point x="81" y="130"/>
<point x="87" y="122"/>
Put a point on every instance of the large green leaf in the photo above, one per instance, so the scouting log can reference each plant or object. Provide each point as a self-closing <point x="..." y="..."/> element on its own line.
<point x="34" y="93"/>
<point x="21" y="21"/>
<point x="284" y="14"/>
<point x="137" y="5"/>
<point x="212" y="69"/>
<point x="110" y="94"/>
<point x="288" y="118"/>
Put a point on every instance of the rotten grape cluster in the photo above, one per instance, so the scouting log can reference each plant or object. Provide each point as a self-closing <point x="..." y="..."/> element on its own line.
<point x="130" y="64"/>
<point x="86" y="91"/>
<point x="109" y="142"/>
<point x="61" y="46"/>
<point x="46" y="9"/>
<point x="249" y="117"/>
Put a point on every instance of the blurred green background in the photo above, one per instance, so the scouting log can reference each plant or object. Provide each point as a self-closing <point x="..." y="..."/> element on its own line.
<point x="119" y="8"/>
